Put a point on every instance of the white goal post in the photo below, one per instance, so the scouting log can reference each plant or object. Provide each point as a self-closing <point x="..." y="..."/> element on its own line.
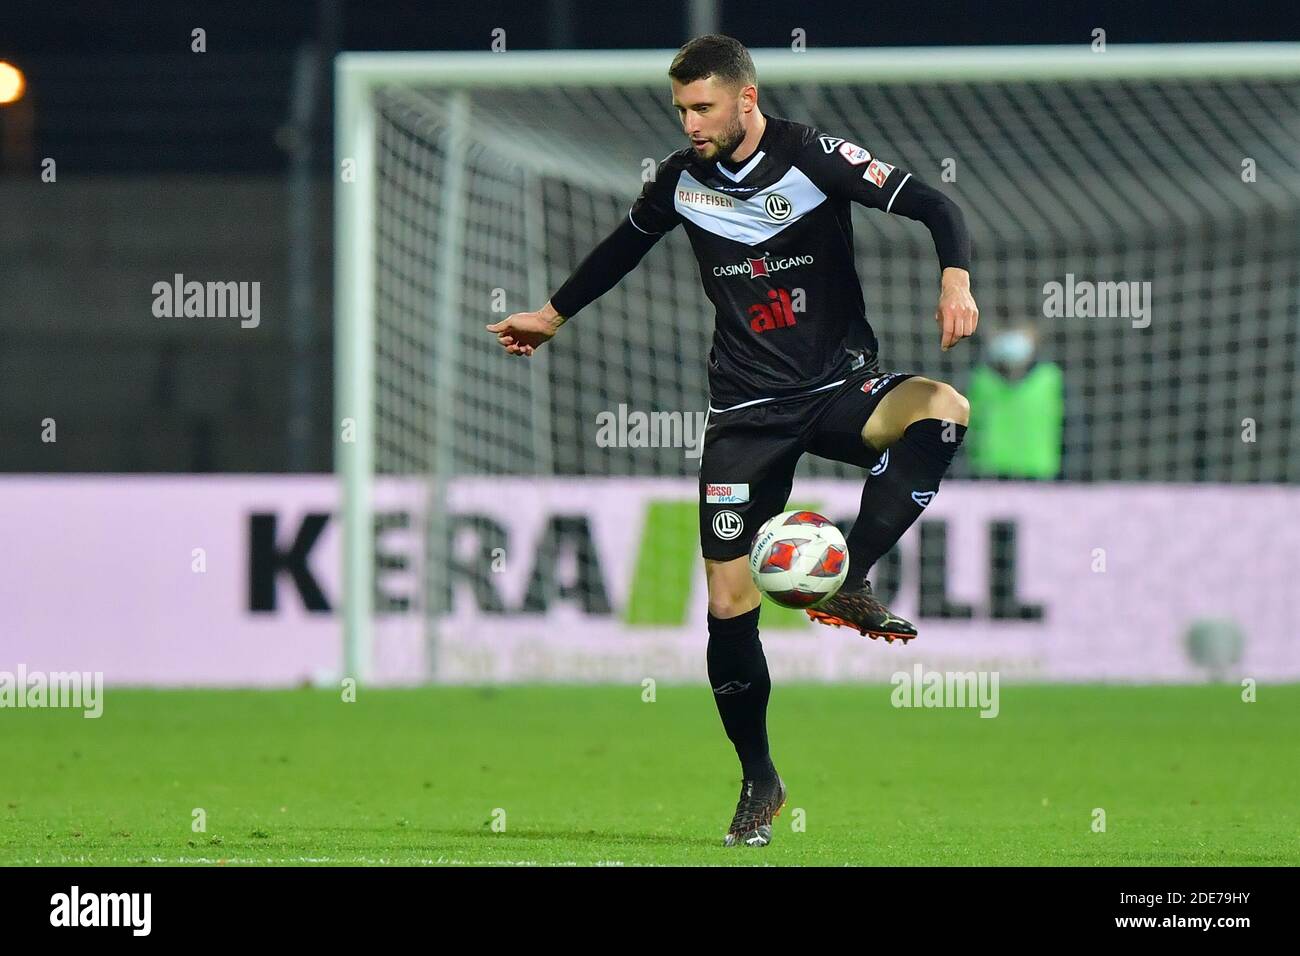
<point x="456" y="202"/>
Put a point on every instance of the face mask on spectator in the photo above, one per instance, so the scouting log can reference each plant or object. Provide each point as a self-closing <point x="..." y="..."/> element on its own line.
<point x="1011" y="348"/>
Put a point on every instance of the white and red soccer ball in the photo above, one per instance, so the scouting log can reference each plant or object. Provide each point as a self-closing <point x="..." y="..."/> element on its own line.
<point x="798" y="558"/>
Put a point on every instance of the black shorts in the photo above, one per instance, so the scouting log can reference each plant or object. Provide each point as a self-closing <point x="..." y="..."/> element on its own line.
<point x="749" y="456"/>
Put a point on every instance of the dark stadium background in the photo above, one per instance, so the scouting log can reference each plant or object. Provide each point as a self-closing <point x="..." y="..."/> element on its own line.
<point x="169" y="158"/>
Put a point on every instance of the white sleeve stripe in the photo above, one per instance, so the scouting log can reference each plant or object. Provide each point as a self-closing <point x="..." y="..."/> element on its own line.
<point x="896" y="191"/>
<point x="639" y="229"/>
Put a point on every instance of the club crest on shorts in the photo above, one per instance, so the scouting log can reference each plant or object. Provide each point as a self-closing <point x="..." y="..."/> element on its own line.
<point x="728" y="525"/>
<point x="923" y="498"/>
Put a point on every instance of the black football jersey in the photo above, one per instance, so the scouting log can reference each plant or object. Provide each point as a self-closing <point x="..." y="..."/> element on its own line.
<point x="773" y="237"/>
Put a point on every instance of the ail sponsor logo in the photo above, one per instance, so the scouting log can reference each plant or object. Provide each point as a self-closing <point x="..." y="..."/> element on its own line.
<point x="776" y="313"/>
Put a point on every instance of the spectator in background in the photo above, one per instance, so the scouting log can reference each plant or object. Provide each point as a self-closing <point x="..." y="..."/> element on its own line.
<point x="1017" y="408"/>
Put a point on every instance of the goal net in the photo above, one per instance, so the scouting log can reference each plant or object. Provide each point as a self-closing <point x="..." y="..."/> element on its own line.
<point x="1161" y="185"/>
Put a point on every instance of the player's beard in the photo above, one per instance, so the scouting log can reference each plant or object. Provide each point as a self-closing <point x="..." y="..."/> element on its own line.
<point x="729" y="139"/>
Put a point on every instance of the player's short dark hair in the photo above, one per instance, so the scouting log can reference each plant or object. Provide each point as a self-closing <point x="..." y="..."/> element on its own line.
<point x="714" y="55"/>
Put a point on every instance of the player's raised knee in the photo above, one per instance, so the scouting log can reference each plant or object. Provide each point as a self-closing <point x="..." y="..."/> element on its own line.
<point x="948" y="404"/>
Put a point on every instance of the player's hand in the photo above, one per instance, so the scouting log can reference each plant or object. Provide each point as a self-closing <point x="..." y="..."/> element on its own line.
<point x="957" y="314"/>
<point x="525" y="332"/>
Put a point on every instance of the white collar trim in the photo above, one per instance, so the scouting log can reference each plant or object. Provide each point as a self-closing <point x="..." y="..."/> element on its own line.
<point x="744" y="170"/>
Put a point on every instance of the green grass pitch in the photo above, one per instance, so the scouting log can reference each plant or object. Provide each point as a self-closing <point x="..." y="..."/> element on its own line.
<point x="594" y="775"/>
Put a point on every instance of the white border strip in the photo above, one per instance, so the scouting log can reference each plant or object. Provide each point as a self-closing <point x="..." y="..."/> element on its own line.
<point x="775" y="398"/>
<point x="836" y="65"/>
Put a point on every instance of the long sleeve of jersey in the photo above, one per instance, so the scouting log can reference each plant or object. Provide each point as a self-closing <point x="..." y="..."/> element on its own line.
<point x="943" y="217"/>
<point x="844" y="170"/>
<point x="651" y="217"/>
<point x="615" y="256"/>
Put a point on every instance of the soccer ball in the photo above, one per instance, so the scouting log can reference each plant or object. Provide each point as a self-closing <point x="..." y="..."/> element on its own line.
<point x="799" y="559"/>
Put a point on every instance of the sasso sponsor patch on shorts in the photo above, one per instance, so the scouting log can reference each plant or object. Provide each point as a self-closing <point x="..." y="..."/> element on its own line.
<point x="726" y="494"/>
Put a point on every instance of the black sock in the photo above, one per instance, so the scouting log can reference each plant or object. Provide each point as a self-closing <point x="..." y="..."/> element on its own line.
<point x="741" y="685"/>
<point x="894" y="498"/>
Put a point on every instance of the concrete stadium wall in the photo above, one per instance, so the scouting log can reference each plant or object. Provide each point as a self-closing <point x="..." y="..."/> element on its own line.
<point x="129" y="391"/>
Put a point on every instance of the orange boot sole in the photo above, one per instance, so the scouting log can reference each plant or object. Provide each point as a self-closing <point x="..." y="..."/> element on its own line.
<point x="821" y="617"/>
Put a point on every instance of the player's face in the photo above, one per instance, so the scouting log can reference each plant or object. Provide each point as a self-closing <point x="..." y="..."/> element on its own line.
<point x="712" y="116"/>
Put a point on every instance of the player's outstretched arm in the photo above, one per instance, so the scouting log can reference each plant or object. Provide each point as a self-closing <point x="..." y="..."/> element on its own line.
<point x="524" y="332"/>
<point x="616" y="256"/>
<point x="651" y="216"/>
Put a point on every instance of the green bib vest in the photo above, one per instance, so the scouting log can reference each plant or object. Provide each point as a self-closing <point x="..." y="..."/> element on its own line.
<point x="1015" y="427"/>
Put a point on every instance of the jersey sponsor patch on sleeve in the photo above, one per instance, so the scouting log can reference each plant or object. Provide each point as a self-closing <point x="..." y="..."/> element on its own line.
<point x="877" y="173"/>
<point x="854" y="154"/>
<point x="829" y="143"/>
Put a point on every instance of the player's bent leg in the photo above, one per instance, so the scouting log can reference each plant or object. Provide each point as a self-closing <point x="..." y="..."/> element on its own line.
<point x="911" y="401"/>
<point x="918" y="427"/>
<point x="908" y="434"/>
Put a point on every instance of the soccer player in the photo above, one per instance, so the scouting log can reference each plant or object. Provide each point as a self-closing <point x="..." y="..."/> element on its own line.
<point x="793" y="367"/>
